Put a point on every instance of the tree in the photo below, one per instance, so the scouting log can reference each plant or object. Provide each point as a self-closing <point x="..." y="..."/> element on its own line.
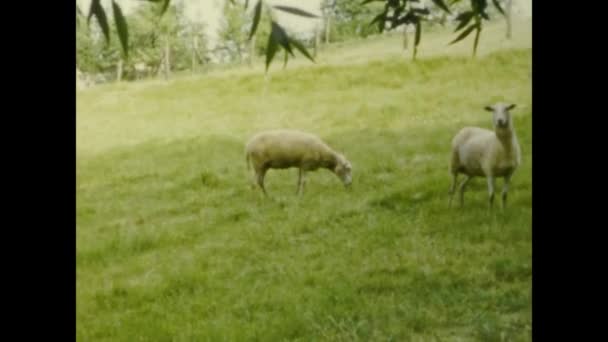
<point x="350" y="19"/>
<point x="278" y="36"/>
<point x="163" y="43"/>
<point x="198" y="43"/>
<point x="146" y="38"/>
<point x="85" y="49"/>
<point x="156" y="43"/>
<point x="260" y="39"/>
<point x="396" y="13"/>
<point x="328" y="7"/>
<point x="233" y="31"/>
<point x="509" y="17"/>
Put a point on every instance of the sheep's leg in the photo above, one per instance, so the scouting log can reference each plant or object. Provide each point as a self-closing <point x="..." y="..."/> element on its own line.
<point x="491" y="186"/>
<point x="454" y="164"/>
<point x="254" y="177"/>
<point x="261" y="173"/>
<point x="301" y="179"/>
<point x="452" y="188"/>
<point x="505" y="189"/>
<point x="463" y="184"/>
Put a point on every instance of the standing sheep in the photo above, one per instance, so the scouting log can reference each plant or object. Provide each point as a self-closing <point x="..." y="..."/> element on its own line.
<point x="282" y="149"/>
<point x="486" y="153"/>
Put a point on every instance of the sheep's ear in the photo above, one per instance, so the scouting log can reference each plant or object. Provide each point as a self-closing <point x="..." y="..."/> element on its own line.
<point x="511" y="106"/>
<point x="489" y="108"/>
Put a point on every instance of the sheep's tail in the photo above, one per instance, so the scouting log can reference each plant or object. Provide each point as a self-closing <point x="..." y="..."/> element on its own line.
<point x="247" y="161"/>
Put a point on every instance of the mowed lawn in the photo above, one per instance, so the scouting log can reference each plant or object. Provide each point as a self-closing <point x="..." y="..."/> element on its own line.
<point x="173" y="244"/>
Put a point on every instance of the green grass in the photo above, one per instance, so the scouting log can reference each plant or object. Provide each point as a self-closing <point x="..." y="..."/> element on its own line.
<point x="173" y="244"/>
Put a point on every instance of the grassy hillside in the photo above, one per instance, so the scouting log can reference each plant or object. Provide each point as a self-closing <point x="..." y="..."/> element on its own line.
<point x="173" y="244"/>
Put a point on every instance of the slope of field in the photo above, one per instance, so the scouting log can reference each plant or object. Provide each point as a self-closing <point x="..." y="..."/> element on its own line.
<point x="173" y="244"/>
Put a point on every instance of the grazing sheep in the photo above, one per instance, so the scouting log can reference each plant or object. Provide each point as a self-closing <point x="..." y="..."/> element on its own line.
<point x="282" y="149"/>
<point x="486" y="153"/>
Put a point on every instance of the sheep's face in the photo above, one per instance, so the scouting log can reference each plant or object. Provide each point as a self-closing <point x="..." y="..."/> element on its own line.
<point x="344" y="170"/>
<point x="501" y="117"/>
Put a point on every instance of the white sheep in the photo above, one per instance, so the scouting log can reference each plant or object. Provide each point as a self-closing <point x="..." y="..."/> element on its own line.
<point x="282" y="149"/>
<point x="486" y="153"/>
